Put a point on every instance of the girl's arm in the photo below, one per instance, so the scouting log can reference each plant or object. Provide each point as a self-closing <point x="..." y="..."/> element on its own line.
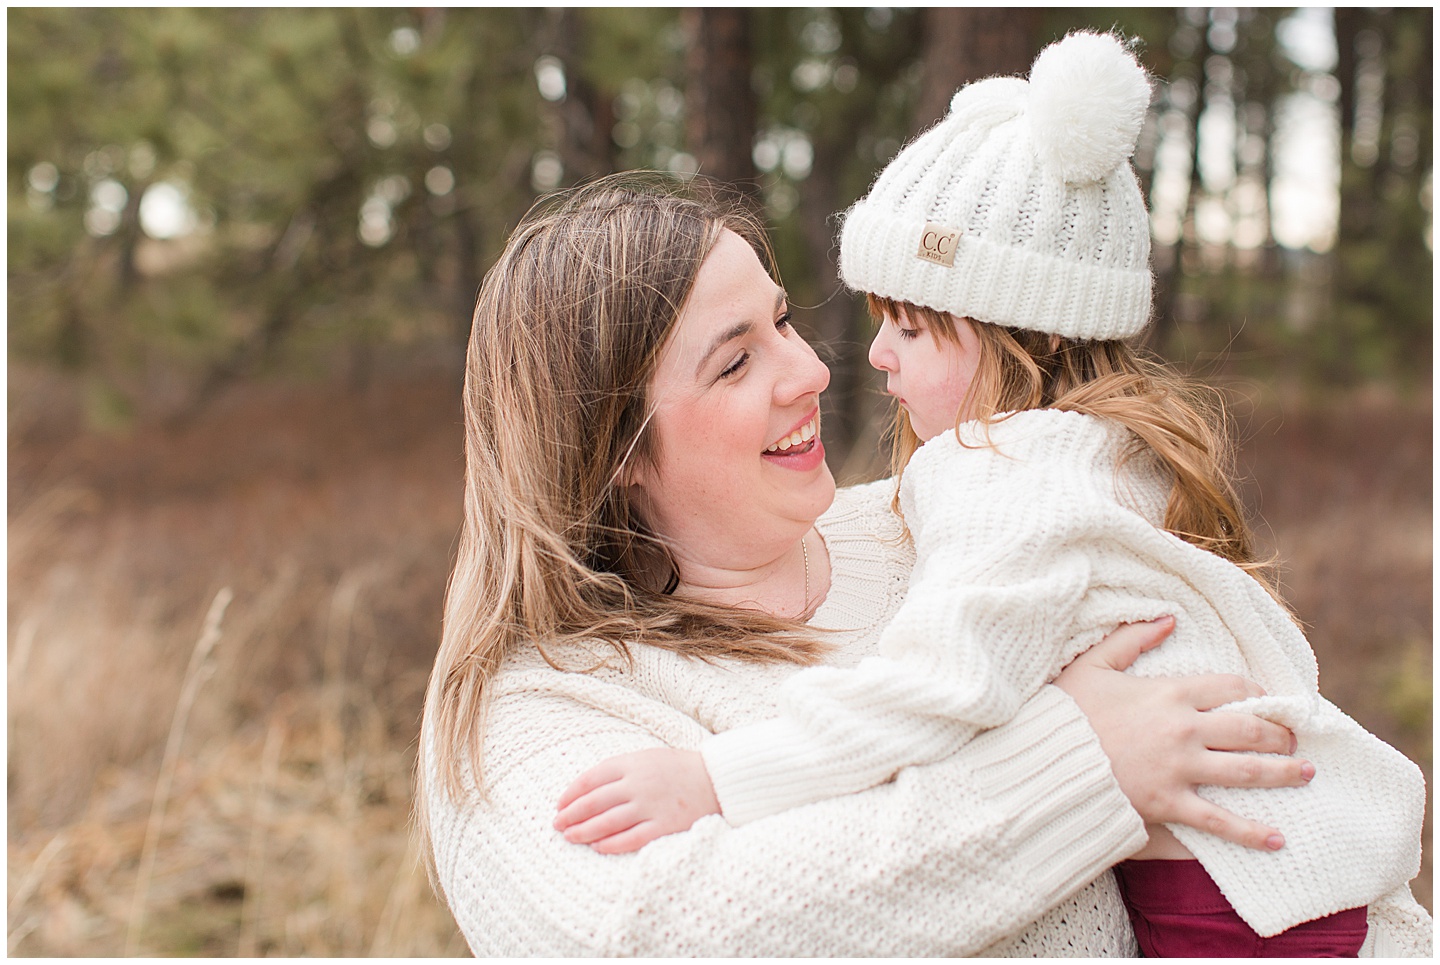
<point x="978" y="633"/>
<point x="1005" y="545"/>
<point x="1160" y="742"/>
<point x="846" y="730"/>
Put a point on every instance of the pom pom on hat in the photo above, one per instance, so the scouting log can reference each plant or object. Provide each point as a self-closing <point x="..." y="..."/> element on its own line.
<point x="1088" y="98"/>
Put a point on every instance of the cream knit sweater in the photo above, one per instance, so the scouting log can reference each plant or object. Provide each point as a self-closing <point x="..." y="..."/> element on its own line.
<point x="1000" y="849"/>
<point x="1028" y="553"/>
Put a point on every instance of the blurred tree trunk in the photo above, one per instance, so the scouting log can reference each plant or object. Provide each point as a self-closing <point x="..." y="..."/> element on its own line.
<point x="1254" y="93"/>
<point x="1356" y="180"/>
<point x="1382" y="264"/>
<point x="587" y="112"/>
<point x="1191" y="66"/>
<point x="720" y="107"/>
<point x="962" y="44"/>
<point x="1189" y="246"/>
<point x="1347" y="26"/>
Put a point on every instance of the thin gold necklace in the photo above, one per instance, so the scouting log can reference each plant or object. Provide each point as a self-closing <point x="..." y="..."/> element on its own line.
<point x="805" y="555"/>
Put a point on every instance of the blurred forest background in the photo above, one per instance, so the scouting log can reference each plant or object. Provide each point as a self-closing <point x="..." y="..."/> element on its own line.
<point x="243" y="247"/>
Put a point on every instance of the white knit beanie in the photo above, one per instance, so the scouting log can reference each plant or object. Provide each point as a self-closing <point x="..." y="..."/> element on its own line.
<point x="1020" y="207"/>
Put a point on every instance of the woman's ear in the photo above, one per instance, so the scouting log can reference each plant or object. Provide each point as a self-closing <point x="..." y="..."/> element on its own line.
<point x="633" y="474"/>
<point x="636" y="477"/>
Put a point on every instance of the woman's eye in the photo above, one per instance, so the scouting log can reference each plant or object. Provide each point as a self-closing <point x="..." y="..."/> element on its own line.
<point x="736" y="365"/>
<point x="783" y="322"/>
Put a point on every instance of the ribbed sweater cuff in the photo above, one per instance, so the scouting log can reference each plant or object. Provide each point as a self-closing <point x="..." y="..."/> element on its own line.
<point x="753" y="769"/>
<point x="1045" y="772"/>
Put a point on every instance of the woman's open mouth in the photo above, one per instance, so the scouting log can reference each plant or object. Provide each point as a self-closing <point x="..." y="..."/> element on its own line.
<point x="801" y="450"/>
<point x="801" y="437"/>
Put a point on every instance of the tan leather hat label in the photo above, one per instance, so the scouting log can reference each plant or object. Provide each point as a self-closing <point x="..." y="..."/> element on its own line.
<point x="938" y="244"/>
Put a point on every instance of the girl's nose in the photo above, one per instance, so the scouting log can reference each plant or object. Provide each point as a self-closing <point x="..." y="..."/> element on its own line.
<point x="881" y="355"/>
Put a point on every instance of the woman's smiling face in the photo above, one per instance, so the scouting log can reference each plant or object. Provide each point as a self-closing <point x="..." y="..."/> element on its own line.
<point x="739" y="471"/>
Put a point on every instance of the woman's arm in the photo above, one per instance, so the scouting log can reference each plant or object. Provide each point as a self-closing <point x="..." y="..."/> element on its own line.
<point x="945" y="860"/>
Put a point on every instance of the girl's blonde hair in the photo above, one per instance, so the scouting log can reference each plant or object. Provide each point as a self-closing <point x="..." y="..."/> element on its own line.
<point x="1174" y="419"/>
<point x="568" y="328"/>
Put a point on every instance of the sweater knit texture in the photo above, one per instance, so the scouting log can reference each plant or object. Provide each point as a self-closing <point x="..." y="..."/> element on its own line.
<point x="1001" y="849"/>
<point x="1029" y="550"/>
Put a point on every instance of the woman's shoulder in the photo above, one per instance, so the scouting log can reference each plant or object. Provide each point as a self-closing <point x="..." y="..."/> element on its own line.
<point x="870" y="500"/>
<point x="870" y="558"/>
<point x="861" y="514"/>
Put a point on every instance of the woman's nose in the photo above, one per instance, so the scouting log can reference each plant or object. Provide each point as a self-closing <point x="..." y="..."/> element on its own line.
<point x="805" y="374"/>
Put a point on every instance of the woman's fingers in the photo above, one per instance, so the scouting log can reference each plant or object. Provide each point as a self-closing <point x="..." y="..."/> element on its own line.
<point x="1225" y="731"/>
<point x="1124" y="644"/>
<point x="1205" y="691"/>
<point x="1247" y="770"/>
<point x="1199" y="813"/>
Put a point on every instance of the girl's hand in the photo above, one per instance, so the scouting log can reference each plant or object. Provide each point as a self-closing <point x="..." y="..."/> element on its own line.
<point x="624" y="803"/>
<point x="1162" y="745"/>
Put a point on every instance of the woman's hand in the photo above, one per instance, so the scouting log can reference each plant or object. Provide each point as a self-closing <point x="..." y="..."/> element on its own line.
<point x="625" y="802"/>
<point x="1162" y="745"/>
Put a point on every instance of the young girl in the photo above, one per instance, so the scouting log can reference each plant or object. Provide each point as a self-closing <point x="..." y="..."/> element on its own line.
<point x="1055" y="484"/>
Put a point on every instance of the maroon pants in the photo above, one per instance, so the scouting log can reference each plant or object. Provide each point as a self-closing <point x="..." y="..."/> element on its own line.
<point x="1178" y="912"/>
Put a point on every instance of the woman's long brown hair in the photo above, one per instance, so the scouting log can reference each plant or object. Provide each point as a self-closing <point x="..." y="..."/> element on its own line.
<point x="567" y="331"/>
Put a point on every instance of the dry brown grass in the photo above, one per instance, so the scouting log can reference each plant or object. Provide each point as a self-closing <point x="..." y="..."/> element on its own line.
<point x="331" y="516"/>
<point x="283" y="829"/>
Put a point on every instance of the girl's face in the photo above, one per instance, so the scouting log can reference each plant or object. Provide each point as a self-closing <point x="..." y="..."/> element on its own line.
<point x="739" y="472"/>
<point x="927" y="372"/>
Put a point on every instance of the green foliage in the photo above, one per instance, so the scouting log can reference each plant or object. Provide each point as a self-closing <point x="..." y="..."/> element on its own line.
<point x="1409" y="692"/>
<point x="351" y="172"/>
<point x="335" y="162"/>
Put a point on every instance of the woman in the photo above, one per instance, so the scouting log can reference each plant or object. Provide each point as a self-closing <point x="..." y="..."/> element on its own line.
<point x="644" y="477"/>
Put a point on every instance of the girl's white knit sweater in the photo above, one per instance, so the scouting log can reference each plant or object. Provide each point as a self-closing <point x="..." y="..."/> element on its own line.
<point x="1030" y="547"/>
<point x="1002" y="848"/>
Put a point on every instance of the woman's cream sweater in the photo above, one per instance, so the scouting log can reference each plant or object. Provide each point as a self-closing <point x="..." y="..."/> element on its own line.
<point x="1029" y="550"/>
<point x="1001" y="848"/>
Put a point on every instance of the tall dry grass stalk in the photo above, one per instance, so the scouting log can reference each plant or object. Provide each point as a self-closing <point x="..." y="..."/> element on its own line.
<point x="255" y="857"/>
<point x="21" y="925"/>
<point x="201" y="669"/>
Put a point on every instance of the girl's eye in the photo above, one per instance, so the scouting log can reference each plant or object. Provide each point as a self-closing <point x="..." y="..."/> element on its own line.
<point x="736" y="365"/>
<point x="905" y="333"/>
<point x="783" y="322"/>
